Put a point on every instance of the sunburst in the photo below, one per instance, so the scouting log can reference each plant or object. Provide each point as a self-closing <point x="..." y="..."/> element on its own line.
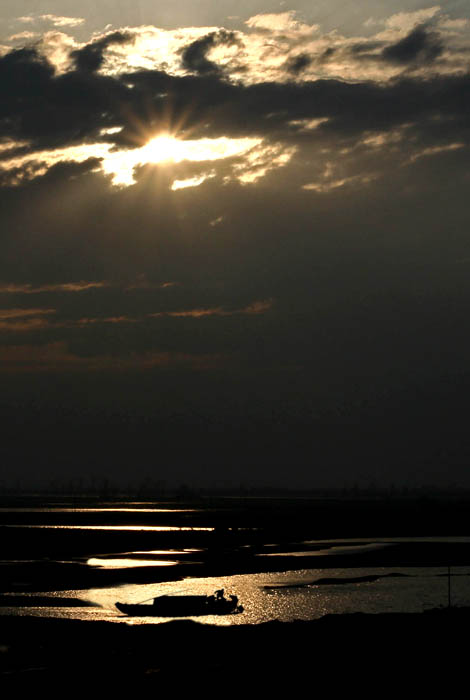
<point x="167" y="149"/>
<point x="164" y="148"/>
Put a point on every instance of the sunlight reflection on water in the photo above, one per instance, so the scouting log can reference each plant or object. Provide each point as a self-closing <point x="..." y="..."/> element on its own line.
<point x="122" y="563"/>
<point x="283" y="596"/>
<point x="123" y="528"/>
<point x="103" y="509"/>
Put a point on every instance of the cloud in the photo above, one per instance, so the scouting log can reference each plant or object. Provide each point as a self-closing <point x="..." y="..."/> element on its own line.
<point x="419" y="45"/>
<point x="454" y="25"/>
<point x="340" y="192"/>
<point x="60" y="21"/>
<point x="24" y="36"/>
<point x="56" y="20"/>
<point x="270" y="49"/>
<point x="64" y="287"/>
<point x="300" y="121"/>
<point x="91" y="119"/>
<point x="6" y="314"/>
<point x="296" y="64"/>
<point x="194" y="56"/>
<point x="257" y="307"/>
<point x="110" y="319"/>
<point x="435" y="150"/>
<point x="331" y="184"/>
<point x="406" y="21"/>
<point x="262" y="160"/>
<point x="249" y="89"/>
<point x="24" y="320"/>
<point x="314" y="252"/>
<point x="191" y="181"/>
<point x="90" y="58"/>
<point x="280" y="22"/>
<point x="101" y="122"/>
<point x="46" y="109"/>
<point x="26" y="325"/>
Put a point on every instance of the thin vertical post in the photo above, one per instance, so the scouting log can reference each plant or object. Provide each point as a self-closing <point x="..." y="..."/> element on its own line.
<point x="448" y="586"/>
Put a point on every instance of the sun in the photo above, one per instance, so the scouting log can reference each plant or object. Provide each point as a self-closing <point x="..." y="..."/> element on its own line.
<point x="164" y="148"/>
<point x="168" y="149"/>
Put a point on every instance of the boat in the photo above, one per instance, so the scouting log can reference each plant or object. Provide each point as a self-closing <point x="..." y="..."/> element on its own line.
<point x="184" y="606"/>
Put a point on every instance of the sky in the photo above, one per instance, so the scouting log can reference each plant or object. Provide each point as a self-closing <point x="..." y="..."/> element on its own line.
<point x="235" y="242"/>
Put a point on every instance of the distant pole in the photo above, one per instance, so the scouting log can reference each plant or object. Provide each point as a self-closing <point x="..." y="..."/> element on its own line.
<point x="448" y="586"/>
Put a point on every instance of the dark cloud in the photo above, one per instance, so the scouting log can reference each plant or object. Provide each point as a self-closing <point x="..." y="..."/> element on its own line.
<point x="55" y="111"/>
<point x="194" y="56"/>
<point x="227" y="108"/>
<point x="365" y="47"/>
<point x="19" y="175"/>
<point x="420" y="45"/>
<point x="24" y="75"/>
<point x="296" y="64"/>
<point x="50" y="110"/>
<point x="90" y="58"/>
<point x="327" y="53"/>
<point x="366" y="343"/>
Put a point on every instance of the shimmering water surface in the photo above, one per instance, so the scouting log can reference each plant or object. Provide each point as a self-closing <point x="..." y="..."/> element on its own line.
<point x="122" y="528"/>
<point x="280" y="596"/>
<point x="305" y="593"/>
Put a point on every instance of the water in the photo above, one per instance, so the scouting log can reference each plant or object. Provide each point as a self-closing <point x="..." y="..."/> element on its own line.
<point x="282" y="596"/>
<point x="197" y="540"/>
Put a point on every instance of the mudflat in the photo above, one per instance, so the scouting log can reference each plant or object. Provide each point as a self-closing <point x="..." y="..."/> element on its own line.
<point x="371" y="654"/>
<point x="48" y="549"/>
<point x="401" y="651"/>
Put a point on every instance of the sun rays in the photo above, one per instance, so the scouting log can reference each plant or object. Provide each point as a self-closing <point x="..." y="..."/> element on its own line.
<point x="121" y="164"/>
<point x="168" y="149"/>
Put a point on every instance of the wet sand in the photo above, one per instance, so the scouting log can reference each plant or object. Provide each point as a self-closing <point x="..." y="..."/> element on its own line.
<point x="371" y="654"/>
<point x="46" y="575"/>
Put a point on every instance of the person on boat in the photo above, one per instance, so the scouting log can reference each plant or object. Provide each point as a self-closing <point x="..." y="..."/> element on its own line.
<point x="219" y="595"/>
<point x="234" y="600"/>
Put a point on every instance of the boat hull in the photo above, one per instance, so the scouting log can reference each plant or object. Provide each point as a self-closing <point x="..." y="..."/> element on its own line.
<point x="181" y="607"/>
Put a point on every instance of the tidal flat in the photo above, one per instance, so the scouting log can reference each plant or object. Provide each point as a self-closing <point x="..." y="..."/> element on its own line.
<point x="386" y="653"/>
<point x="345" y="556"/>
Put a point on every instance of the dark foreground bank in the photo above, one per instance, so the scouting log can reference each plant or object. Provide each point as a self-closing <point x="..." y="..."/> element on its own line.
<point x="380" y="653"/>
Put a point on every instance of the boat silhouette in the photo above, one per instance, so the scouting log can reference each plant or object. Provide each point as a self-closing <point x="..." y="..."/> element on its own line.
<point x="184" y="606"/>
